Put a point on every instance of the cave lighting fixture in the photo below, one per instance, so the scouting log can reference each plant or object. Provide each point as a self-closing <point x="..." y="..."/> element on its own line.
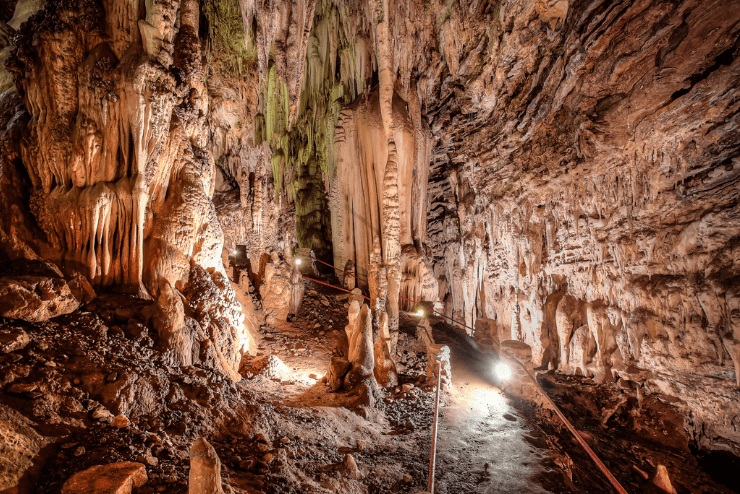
<point x="503" y="371"/>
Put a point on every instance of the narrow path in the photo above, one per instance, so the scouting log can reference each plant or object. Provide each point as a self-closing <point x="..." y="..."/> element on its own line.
<point x="484" y="445"/>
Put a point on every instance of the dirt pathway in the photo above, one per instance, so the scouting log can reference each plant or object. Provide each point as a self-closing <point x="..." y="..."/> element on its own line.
<point x="484" y="445"/>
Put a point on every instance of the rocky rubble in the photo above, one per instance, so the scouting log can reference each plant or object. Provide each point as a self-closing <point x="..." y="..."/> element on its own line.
<point x="644" y="436"/>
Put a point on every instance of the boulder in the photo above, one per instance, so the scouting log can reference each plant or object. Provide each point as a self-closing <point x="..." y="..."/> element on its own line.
<point x="269" y="366"/>
<point x="21" y="444"/>
<point x="34" y="291"/>
<point x="13" y="339"/>
<point x="518" y="382"/>
<point x="114" y="478"/>
<point x="337" y="370"/>
<point x="81" y="289"/>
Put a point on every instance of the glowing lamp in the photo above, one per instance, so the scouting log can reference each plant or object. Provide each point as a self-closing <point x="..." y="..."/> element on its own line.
<point x="420" y="313"/>
<point x="503" y="371"/>
<point x="297" y="262"/>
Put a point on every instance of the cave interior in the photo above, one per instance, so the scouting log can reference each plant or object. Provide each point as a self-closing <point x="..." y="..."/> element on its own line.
<point x="369" y="246"/>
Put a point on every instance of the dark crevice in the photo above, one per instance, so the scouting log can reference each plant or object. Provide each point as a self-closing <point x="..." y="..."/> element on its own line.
<point x="723" y="59"/>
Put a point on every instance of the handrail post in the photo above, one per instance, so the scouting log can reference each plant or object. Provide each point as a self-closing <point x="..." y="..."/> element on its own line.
<point x="433" y="457"/>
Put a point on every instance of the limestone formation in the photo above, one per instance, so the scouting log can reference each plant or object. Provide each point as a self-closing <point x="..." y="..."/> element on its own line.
<point x="277" y="290"/>
<point x="349" y="281"/>
<point x="566" y="172"/>
<point x="438" y="355"/>
<point x="13" y="339"/>
<point x="385" y="367"/>
<point x="297" y="289"/>
<point x="337" y="370"/>
<point x="269" y="366"/>
<point x="21" y="445"/>
<point x="568" y="317"/>
<point x="361" y="347"/>
<point x="205" y="469"/>
<point x="359" y="204"/>
<point x="519" y="381"/>
<point x="121" y="180"/>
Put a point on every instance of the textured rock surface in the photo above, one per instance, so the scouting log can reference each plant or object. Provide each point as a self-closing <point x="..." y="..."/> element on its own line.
<point x="114" y="478"/>
<point x="584" y="149"/>
<point x="34" y="291"/>
<point x="115" y="149"/>
<point x="438" y="356"/>
<point x="566" y="170"/>
<point x="277" y="290"/>
<point x="20" y="446"/>
<point x="205" y="469"/>
<point x="610" y="173"/>
<point x="361" y="352"/>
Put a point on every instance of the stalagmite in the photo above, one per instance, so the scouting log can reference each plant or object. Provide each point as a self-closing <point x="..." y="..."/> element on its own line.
<point x="391" y="237"/>
<point x="385" y="368"/>
<point x="361" y="348"/>
<point x="296" y="281"/>
<point x="438" y="355"/>
<point x="205" y="469"/>
<point x="568" y="317"/>
<point x="349" y="280"/>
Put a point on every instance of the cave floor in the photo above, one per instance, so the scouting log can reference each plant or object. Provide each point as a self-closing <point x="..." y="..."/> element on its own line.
<point x="289" y="434"/>
<point x="485" y="445"/>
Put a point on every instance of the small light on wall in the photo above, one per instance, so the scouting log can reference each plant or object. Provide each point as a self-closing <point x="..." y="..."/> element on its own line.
<point x="503" y="371"/>
<point x="297" y="262"/>
<point x="420" y="313"/>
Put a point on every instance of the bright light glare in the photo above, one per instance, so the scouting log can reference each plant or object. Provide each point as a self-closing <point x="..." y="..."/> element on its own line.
<point x="297" y="262"/>
<point x="420" y="313"/>
<point x="503" y="371"/>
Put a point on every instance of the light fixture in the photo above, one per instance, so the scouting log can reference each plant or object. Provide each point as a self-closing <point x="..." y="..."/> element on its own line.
<point x="297" y="262"/>
<point x="503" y="371"/>
<point x="420" y="313"/>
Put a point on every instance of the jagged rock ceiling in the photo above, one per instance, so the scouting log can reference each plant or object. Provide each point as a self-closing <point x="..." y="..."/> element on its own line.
<point x="582" y="164"/>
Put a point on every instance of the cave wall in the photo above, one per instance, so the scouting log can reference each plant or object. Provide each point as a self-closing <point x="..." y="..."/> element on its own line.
<point x="596" y="156"/>
<point x="115" y="149"/>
